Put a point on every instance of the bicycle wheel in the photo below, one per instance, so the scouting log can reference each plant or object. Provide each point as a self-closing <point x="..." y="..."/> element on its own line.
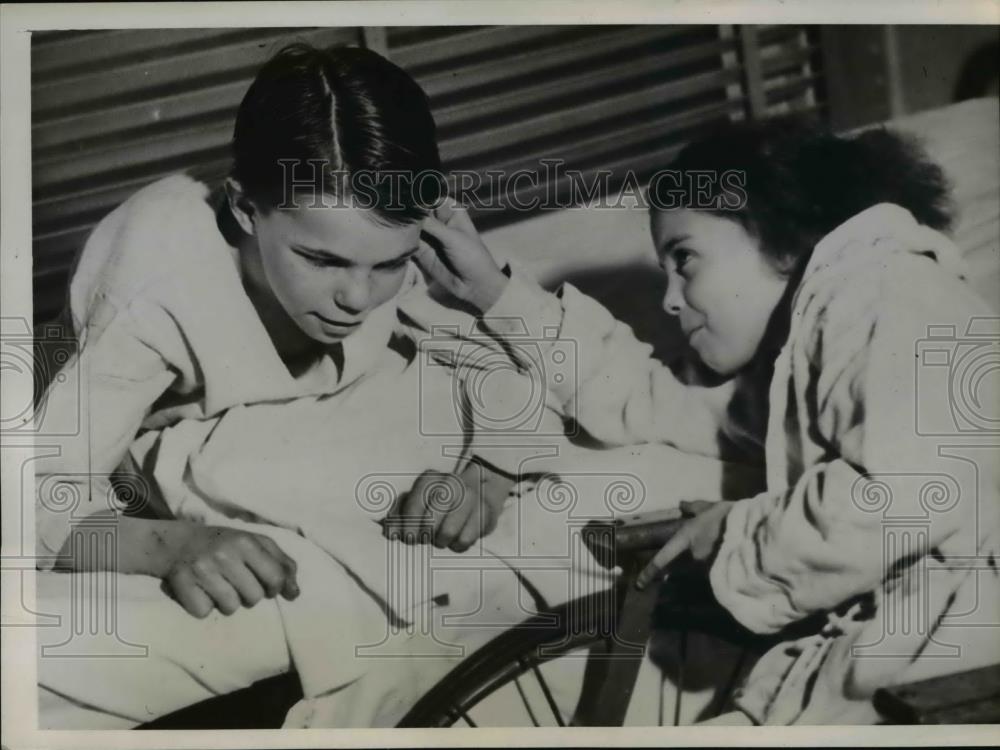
<point x="584" y="628"/>
<point x="514" y="654"/>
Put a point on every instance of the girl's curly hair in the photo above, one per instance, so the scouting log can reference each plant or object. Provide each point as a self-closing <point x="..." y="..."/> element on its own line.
<point x="801" y="181"/>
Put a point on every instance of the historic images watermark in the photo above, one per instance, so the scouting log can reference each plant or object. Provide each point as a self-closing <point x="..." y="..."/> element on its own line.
<point x="314" y="183"/>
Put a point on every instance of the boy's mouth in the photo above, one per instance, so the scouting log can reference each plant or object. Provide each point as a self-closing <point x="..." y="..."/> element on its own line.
<point x="339" y="324"/>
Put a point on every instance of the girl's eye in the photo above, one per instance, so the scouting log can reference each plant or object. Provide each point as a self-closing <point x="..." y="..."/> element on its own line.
<point x="682" y="258"/>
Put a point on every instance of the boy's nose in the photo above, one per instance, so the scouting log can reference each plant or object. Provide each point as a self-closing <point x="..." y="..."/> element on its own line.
<point x="353" y="295"/>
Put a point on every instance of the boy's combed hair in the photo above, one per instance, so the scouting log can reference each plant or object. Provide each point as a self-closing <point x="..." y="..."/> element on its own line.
<point x="801" y="181"/>
<point x="345" y="110"/>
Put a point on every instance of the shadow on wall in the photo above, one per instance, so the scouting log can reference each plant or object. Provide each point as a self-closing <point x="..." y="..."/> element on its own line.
<point x="980" y="74"/>
<point x="634" y="295"/>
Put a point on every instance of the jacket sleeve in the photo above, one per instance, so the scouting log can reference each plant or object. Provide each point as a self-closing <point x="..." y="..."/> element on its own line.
<point x="599" y="374"/>
<point x="826" y="538"/>
<point x="89" y="415"/>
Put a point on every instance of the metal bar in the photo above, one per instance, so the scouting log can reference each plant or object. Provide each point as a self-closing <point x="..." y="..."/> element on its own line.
<point x="375" y="39"/>
<point x="753" y="73"/>
<point x="548" y="695"/>
<point x="526" y="702"/>
<point x="680" y="677"/>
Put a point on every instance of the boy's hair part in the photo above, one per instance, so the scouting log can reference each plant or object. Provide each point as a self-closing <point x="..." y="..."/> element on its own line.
<point x="346" y="110"/>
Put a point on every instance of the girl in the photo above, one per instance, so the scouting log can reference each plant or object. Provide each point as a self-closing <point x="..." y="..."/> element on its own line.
<point x="811" y="295"/>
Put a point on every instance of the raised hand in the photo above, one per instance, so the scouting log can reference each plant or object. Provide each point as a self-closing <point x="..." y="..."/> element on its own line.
<point x="452" y="254"/>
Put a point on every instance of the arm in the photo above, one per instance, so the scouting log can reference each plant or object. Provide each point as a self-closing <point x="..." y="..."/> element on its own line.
<point x="591" y="364"/>
<point x="205" y="567"/>
<point x="90" y="414"/>
<point x="614" y="388"/>
<point x="821" y="541"/>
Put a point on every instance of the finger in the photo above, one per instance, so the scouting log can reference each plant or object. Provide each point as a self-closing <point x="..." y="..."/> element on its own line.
<point x="449" y="509"/>
<point x="243" y="579"/>
<point x="676" y="545"/>
<point x="471" y="531"/>
<point x="431" y="264"/>
<point x="441" y="231"/>
<point x="446" y="209"/>
<point x="274" y="569"/>
<point x="218" y="588"/>
<point x="416" y="511"/>
<point x="459" y="218"/>
<point x="695" y="507"/>
<point x="185" y="589"/>
<point x="452" y="523"/>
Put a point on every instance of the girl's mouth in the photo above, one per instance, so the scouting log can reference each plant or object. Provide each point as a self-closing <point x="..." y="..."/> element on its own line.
<point x="689" y="335"/>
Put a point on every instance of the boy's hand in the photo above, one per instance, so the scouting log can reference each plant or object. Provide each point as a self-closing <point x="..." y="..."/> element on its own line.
<point x="450" y="510"/>
<point x="700" y="536"/>
<point x="222" y="568"/>
<point x="454" y="256"/>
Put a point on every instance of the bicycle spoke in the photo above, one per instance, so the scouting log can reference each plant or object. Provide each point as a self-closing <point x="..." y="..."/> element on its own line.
<point x="526" y="702"/>
<point x="548" y="695"/>
<point x="465" y="717"/>
<point x="730" y="686"/>
<point x="680" y="677"/>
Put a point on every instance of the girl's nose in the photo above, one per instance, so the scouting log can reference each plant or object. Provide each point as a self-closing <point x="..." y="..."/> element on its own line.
<point x="673" y="300"/>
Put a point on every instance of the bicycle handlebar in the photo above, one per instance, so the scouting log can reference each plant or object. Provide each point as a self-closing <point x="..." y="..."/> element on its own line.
<point x="615" y="541"/>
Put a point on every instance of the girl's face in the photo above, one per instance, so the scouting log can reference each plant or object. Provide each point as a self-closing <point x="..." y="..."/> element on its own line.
<point x="719" y="285"/>
<point x="329" y="267"/>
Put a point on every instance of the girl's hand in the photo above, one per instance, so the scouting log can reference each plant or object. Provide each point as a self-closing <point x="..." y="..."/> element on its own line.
<point x="222" y="568"/>
<point x="700" y="536"/>
<point x="455" y="257"/>
<point x="450" y="510"/>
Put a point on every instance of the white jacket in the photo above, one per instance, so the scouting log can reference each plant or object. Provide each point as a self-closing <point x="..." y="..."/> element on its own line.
<point x="882" y="495"/>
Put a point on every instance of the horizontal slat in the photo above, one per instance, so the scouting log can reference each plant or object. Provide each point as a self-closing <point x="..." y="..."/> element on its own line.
<point x="90" y="92"/>
<point x="426" y="54"/>
<point x="58" y="174"/>
<point x="787" y="60"/>
<point x="574" y="84"/>
<point x="491" y="71"/>
<point x="79" y="55"/>
<point x="490" y="140"/>
<point x="405" y="36"/>
<point x="789" y="89"/>
<point x="91" y="130"/>
<point x="778" y="34"/>
<point x="649" y="125"/>
<point x="89" y="204"/>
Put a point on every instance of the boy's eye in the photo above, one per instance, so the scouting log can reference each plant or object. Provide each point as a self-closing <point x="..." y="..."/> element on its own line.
<point x="396" y="264"/>
<point x="321" y="261"/>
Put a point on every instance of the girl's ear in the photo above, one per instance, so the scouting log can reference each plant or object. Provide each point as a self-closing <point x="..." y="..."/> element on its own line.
<point x="242" y="208"/>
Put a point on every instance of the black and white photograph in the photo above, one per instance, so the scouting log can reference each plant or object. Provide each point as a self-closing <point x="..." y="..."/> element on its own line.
<point x="631" y="373"/>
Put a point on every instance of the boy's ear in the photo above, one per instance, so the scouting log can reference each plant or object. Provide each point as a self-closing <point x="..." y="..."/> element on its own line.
<point x="242" y="208"/>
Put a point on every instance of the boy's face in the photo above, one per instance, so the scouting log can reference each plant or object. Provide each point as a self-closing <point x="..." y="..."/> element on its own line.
<point x="331" y="266"/>
<point x="719" y="285"/>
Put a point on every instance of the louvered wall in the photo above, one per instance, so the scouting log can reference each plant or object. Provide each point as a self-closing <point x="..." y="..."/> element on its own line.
<point x="115" y="110"/>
